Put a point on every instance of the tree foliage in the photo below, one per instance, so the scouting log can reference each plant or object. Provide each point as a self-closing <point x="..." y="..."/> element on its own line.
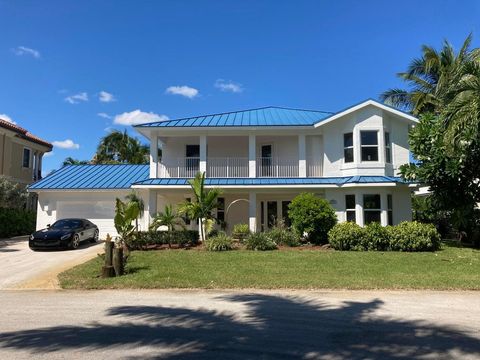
<point x="71" y="161"/>
<point x="12" y="194"/>
<point x="120" y="148"/>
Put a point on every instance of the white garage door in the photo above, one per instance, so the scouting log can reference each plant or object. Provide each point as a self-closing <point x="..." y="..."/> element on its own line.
<point x="101" y="213"/>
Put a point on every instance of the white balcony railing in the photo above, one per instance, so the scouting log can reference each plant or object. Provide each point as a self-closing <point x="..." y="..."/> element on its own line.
<point x="233" y="167"/>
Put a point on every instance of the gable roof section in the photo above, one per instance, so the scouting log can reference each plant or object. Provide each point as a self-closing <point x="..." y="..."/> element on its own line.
<point x="93" y="177"/>
<point x="267" y="116"/>
<point x="363" y="104"/>
<point x="23" y="133"/>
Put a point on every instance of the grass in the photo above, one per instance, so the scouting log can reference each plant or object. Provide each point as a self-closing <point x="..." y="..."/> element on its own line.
<point x="450" y="268"/>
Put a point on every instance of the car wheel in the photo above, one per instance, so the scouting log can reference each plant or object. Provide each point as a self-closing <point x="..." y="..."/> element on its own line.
<point x="75" y="241"/>
<point x="94" y="239"/>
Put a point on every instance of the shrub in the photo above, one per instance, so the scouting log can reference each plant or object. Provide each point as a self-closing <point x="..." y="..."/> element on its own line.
<point x="346" y="236"/>
<point x="14" y="222"/>
<point x="241" y="231"/>
<point x="312" y="215"/>
<point x="377" y="237"/>
<point x="260" y="242"/>
<point x="221" y="242"/>
<point x="142" y="239"/>
<point x="284" y="236"/>
<point x="414" y="236"/>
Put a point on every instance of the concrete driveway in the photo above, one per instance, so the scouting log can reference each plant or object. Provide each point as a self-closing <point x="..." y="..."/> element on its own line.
<point x="239" y="325"/>
<point x="21" y="267"/>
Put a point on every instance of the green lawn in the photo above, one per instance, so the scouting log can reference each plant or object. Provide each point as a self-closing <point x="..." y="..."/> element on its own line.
<point x="450" y="268"/>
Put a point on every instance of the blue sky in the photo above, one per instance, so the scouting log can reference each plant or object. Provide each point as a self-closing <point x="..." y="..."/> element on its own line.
<point x="62" y="63"/>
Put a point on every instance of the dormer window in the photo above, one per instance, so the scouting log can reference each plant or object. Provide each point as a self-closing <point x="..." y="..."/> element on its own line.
<point x="348" y="147"/>
<point x="369" y="145"/>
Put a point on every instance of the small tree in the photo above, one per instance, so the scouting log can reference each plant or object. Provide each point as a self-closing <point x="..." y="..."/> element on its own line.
<point x="12" y="195"/>
<point x="169" y="218"/>
<point x="125" y="214"/>
<point x="203" y="205"/>
<point x="311" y="215"/>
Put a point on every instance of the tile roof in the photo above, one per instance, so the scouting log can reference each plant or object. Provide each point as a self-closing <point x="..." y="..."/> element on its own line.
<point x="267" y="116"/>
<point x="23" y="133"/>
<point x="92" y="177"/>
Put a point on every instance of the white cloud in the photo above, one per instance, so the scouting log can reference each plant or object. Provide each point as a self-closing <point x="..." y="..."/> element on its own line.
<point x="228" y="86"/>
<point x="66" y="144"/>
<point x="186" y="91"/>
<point x="75" y="99"/>
<point x="136" y="117"/>
<point x="104" y="115"/>
<point x="7" y="118"/>
<point x="106" y="97"/>
<point x="23" y="50"/>
<point x="49" y="154"/>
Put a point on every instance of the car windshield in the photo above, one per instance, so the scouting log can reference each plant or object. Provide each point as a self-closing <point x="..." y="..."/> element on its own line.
<point x="66" y="224"/>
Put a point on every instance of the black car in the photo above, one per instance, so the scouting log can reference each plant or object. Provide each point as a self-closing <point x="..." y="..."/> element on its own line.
<point x="65" y="233"/>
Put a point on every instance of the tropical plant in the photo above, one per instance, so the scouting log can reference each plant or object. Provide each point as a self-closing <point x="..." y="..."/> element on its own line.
<point x="71" y="161"/>
<point x="260" y="242"/>
<point x="169" y="218"/>
<point x="203" y="204"/>
<point x="133" y="197"/>
<point x="125" y="215"/>
<point x="120" y="148"/>
<point x="241" y="231"/>
<point x="221" y="242"/>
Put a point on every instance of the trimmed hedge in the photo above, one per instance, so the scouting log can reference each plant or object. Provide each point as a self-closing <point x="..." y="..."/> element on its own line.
<point x="407" y="236"/>
<point x="221" y="242"/>
<point x="260" y="242"/>
<point x="142" y="239"/>
<point x="14" y="222"/>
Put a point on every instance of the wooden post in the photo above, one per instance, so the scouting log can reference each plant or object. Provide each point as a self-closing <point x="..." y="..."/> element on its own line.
<point x="107" y="269"/>
<point x="118" y="261"/>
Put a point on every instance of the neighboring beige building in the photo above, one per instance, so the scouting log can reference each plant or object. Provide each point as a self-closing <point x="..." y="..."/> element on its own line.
<point x="21" y="153"/>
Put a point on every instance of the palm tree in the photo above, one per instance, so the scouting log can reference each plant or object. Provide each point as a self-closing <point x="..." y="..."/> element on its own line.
<point x="169" y="218"/>
<point x="205" y="201"/>
<point x="133" y="197"/>
<point x="119" y="147"/>
<point x="71" y="161"/>
<point x="430" y="79"/>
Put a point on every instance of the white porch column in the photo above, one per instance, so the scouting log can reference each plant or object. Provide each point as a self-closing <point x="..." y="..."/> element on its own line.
<point x="384" y="213"/>
<point x="252" y="156"/>
<point x="154" y="156"/>
<point x="359" y="208"/>
<point x="252" y="212"/>
<point x="152" y="205"/>
<point x="203" y="154"/>
<point x="302" y="161"/>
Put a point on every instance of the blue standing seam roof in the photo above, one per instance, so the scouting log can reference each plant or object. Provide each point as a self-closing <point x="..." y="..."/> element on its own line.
<point x="267" y="116"/>
<point x="91" y="177"/>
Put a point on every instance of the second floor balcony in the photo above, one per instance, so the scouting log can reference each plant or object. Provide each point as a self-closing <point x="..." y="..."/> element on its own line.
<point x="239" y="167"/>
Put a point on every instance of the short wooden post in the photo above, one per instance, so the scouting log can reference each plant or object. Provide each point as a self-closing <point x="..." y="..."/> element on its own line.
<point x="118" y="261"/>
<point x="107" y="269"/>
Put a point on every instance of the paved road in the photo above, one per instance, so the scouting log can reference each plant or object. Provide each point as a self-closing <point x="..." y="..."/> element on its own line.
<point x="239" y="325"/>
<point x="21" y="267"/>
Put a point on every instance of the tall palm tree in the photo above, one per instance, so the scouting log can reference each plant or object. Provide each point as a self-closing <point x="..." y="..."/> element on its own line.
<point x="118" y="147"/>
<point x="133" y="197"/>
<point x="205" y="201"/>
<point x="169" y="218"/>
<point x="430" y="79"/>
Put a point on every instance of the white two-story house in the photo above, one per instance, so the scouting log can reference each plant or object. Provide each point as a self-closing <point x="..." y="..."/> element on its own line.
<point x="260" y="158"/>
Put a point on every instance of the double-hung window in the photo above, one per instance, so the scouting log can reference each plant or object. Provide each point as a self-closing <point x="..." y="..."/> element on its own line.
<point x="390" y="209"/>
<point x="371" y="208"/>
<point x="348" y="147"/>
<point x="350" y="207"/>
<point x="388" y="148"/>
<point x="369" y="145"/>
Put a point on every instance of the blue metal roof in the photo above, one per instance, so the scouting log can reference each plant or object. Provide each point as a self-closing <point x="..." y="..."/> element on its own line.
<point x="277" y="181"/>
<point x="267" y="116"/>
<point x="83" y="177"/>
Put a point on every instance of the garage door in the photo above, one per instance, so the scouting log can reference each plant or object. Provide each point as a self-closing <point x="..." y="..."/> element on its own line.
<point x="101" y="213"/>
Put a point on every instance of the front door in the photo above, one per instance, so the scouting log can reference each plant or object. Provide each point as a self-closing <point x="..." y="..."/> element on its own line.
<point x="266" y="161"/>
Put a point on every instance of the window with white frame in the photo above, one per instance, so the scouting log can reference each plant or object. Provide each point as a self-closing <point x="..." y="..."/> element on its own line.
<point x="350" y="207"/>
<point x="369" y="145"/>
<point x="348" y="147"/>
<point x="26" y="158"/>
<point x="371" y="208"/>
<point x="388" y="148"/>
<point x="390" y="209"/>
<point x="221" y="210"/>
